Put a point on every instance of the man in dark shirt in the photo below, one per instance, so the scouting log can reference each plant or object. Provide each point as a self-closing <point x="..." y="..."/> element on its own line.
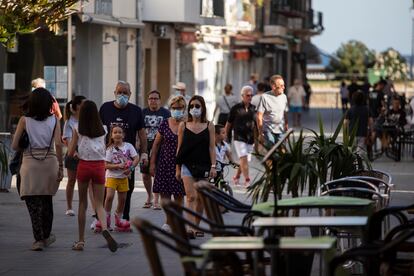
<point x="154" y="114"/>
<point x="352" y="88"/>
<point x="128" y="116"/>
<point x="242" y="121"/>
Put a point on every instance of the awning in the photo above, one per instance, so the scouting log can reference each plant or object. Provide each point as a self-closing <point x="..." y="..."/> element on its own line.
<point x="312" y="52"/>
<point x="110" y="20"/>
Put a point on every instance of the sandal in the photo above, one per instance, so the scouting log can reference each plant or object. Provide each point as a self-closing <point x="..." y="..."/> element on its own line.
<point x="156" y="206"/>
<point x="236" y="180"/>
<point x="147" y="205"/>
<point x="78" y="246"/>
<point x="199" y="234"/>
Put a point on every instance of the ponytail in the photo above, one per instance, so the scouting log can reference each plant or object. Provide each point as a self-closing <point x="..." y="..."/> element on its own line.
<point x="68" y="111"/>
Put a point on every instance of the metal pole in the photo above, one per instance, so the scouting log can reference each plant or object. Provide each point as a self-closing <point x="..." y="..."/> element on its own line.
<point x="412" y="43"/>
<point x="69" y="58"/>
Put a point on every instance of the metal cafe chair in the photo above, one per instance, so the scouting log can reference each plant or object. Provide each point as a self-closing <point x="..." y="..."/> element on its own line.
<point x="222" y="263"/>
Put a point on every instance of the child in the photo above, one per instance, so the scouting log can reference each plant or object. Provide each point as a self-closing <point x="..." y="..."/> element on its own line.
<point x="90" y="140"/>
<point x="71" y="163"/>
<point x="222" y="148"/>
<point x="121" y="160"/>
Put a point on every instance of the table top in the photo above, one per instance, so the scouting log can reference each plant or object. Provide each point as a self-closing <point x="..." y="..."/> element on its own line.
<point x="348" y="221"/>
<point x="313" y="202"/>
<point x="259" y="243"/>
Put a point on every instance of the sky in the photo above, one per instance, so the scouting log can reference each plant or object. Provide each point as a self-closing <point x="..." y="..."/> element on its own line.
<point x="379" y="24"/>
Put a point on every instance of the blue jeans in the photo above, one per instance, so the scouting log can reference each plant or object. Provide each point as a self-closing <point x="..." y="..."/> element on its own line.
<point x="270" y="138"/>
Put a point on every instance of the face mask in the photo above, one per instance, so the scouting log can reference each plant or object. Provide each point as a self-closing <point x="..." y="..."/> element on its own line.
<point x="195" y="112"/>
<point x="177" y="114"/>
<point x="122" y="100"/>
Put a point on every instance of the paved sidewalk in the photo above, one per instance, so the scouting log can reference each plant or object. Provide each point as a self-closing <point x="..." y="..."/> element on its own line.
<point x="16" y="235"/>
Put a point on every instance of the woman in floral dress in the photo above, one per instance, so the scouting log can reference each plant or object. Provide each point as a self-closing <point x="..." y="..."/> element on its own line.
<point x="164" y="150"/>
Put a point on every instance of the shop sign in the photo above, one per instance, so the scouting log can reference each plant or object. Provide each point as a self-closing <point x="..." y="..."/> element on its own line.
<point x="241" y="54"/>
<point x="188" y="37"/>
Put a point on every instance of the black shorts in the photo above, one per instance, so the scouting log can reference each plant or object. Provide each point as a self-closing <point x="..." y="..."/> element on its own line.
<point x="71" y="163"/>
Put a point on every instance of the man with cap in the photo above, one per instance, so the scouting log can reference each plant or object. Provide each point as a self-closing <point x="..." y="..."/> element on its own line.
<point x="180" y="88"/>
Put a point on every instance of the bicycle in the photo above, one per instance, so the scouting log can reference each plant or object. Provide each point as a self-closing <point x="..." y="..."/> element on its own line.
<point x="219" y="180"/>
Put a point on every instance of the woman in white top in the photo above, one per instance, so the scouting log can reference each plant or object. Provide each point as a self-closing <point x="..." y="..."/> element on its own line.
<point x="42" y="168"/>
<point x="71" y="163"/>
<point x="90" y="140"/>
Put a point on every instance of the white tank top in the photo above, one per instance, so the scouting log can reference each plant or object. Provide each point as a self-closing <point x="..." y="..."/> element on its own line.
<point x="92" y="149"/>
<point x="40" y="132"/>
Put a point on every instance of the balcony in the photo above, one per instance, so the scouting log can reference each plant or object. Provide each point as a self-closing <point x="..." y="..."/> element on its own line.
<point x="312" y="24"/>
<point x="203" y="12"/>
<point x="289" y="8"/>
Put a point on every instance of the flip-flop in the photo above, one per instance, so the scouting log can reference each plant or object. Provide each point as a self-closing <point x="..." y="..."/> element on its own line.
<point x="78" y="246"/>
<point x="112" y="245"/>
<point x="156" y="207"/>
<point x="147" y="205"/>
<point x="199" y="234"/>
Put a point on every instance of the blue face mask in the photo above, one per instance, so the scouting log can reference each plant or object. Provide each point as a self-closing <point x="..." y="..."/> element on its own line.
<point x="177" y="114"/>
<point x="122" y="100"/>
<point x="195" y="112"/>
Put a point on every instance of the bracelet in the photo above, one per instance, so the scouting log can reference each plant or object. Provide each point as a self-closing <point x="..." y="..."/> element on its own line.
<point x="213" y="166"/>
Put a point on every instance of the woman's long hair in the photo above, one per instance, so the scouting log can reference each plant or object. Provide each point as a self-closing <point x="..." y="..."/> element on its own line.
<point x="203" y="117"/>
<point x="90" y="123"/>
<point x="39" y="104"/>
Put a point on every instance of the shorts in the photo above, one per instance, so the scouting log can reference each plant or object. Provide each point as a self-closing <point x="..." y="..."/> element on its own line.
<point x="71" y="163"/>
<point x="295" y="109"/>
<point x="91" y="171"/>
<point x="185" y="171"/>
<point x="118" y="184"/>
<point x="271" y="139"/>
<point x="243" y="149"/>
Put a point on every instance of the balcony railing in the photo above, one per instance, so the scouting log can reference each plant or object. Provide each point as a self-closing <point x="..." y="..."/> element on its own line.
<point x="289" y="8"/>
<point x="314" y="21"/>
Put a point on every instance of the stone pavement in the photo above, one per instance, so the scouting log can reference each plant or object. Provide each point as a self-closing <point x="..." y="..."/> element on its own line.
<point x="16" y="235"/>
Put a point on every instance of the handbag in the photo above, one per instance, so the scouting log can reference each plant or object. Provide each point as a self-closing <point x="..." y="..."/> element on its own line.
<point x="199" y="171"/>
<point x="24" y="140"/>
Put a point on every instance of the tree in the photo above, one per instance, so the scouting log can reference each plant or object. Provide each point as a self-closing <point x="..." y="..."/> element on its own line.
<point x="393" y="63"/>
<point x="26" y="16"/>
<point x="354" y="57"/>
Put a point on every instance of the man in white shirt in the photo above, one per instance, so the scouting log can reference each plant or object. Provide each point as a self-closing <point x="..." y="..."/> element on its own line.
<point x="272" y="120"/>
<point x="296" y="99"/>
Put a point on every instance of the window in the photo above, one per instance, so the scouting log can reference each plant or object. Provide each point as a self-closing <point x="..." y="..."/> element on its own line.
<point x="103" y="7"/>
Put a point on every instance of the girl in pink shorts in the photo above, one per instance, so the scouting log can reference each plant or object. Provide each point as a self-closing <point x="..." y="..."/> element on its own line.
<point x="90" y="140"/>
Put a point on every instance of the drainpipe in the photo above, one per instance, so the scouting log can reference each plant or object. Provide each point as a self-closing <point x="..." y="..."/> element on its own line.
<point x="69" y="37"/>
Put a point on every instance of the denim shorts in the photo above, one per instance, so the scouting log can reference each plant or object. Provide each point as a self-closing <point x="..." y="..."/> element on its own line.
<point x="185" y="171"/>
<point x="71" y="163"/>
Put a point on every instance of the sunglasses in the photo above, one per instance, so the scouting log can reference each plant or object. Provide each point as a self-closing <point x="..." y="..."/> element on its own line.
<point x="249" y="95"/>
<point x="153" y="99"/>
<point x="194" y="105"/>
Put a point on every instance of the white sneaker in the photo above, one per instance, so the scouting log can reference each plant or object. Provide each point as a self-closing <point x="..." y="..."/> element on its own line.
<point x="70" y="213"/>
<point x="93" y="224"/>
<point x="166" y="228"/>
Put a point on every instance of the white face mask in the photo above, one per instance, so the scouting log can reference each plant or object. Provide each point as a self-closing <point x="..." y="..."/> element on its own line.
<point x="195" y="112"/>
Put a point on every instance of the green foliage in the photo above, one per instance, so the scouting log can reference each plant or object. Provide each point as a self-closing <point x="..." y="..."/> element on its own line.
<point x="306" y="162"/>
<point x="4" y="164"/>
<point x="354" y="57"/>
<point x="392" y="63"/>
<point x="24" y="16"/>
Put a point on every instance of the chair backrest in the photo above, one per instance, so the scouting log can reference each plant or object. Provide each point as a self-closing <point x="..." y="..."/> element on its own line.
<point x="347" y="183"/>
<point x="379" y="183"/>
<point x="386" y="177"/>
<point x="211" y="205"/>
<point x="151" y="235"/>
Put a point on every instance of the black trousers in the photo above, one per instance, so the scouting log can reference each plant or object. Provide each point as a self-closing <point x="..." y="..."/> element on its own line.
<point x="131" y="185"/>
<point x="41" y="213"/>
